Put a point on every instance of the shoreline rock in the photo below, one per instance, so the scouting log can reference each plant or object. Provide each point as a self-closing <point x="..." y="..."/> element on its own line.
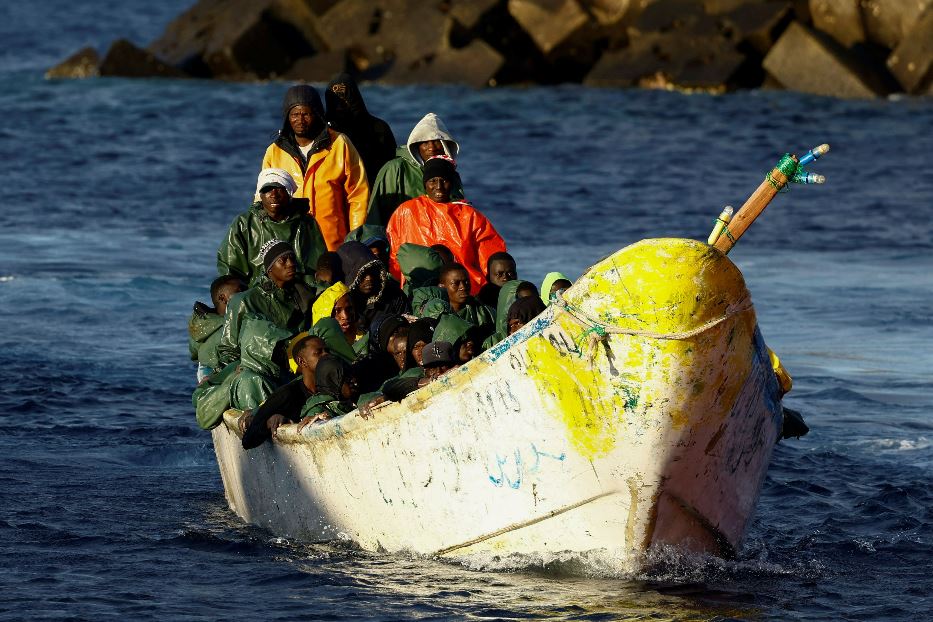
<point x="840" y="48"/>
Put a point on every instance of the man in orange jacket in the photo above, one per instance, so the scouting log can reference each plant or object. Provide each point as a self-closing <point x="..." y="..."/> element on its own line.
<point x="325" y="165"/>
<point x="435" y="219"/>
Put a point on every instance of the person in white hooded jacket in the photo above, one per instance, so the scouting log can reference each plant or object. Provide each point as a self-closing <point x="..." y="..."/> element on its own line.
<point x="401" y="178"/>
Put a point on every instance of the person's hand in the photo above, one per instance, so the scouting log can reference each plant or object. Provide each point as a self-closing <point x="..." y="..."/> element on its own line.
<point x="366" y="410"/>
<point x="273" y="423"/>
<point x="245" y="419"/>
<point x="318" y="418"/>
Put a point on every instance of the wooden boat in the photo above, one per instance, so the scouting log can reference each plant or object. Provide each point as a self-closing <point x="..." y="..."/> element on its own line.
<point x="641" y="409"/>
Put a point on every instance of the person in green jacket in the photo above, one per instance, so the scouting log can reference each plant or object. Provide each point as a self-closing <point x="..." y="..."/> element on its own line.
<point x="276" y="216"/>
<point x="204" y="327"/>
<point x="260" y="323"/>
<point x="337" y="389"/>
<point x="553" y="282"/>
<point x="455" y="279"/>
<point x="401" y="178"/>
<point x="465" y="337"/>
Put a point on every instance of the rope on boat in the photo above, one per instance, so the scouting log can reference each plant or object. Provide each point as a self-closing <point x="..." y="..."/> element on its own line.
<point x="598" y="331"/>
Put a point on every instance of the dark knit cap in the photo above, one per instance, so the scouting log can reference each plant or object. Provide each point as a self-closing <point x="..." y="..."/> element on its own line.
<point x="382" y="327"/>
<point x="440" y="166"/>
<point x="303" y="94"/>
<point x="438" y="353"/>
<point x="272" y="250"/>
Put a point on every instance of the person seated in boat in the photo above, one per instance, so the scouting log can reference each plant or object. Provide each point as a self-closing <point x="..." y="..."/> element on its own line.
<point x="455" y="280"/>
<point x="260" y="323"/>
<point x="401" y="177"/>
<point x="369" y="284"/>
<point x="337" y="391"/>
<point x="323" y="163"/>
<point x="435" y="219"/>
<point x="285" y="403"/>
<point x="206" y="324"/>
<point x="328" y="270"/>
<point x="347" y="113"/>
<point x="553" y="283"/>
<point x="387" y="354"/>
<point x="523" y="311"/>
<point x="374" y="238"/>
<point x="420" y="334"/>
<point x="508" y="294"/>
<point x="334" y="319"/>
<point x="438" y="358"/>
<point x="465" y="337"/>
<point x="500" y="268"/>
<point x="276" y="215"/>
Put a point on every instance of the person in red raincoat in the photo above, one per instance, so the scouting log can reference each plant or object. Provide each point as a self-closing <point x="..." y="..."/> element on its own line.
<point x="434" y="219"/>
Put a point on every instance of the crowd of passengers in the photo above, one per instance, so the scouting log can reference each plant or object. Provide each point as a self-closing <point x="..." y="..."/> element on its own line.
<point x="359" y="274"/>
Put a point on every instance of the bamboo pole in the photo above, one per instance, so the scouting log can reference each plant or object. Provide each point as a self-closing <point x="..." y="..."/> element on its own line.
<point x="756" y="204"/>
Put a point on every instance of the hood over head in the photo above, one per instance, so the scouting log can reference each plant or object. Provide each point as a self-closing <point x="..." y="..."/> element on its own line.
<point x="452" y="328"/>
<point x="323" y="307"/>
<point x="421" y="330"/>
<point x="344" y="101"/>
<point x="368" y="234"/>
<point x="548" y="281"/>
<point x="329" y="376"/>
<point x="420" y="265"/>
<point x="303" y="94"/>
<point x="382" y="328"/>
<point x="431" y="127"/>
<point x="276" y="177"/>
<point x="356" y="259"/>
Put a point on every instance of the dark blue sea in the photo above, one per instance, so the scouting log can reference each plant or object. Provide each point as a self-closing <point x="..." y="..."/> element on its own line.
<point x="119" y="191"/>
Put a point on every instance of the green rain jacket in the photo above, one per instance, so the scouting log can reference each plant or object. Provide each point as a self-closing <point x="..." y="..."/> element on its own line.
<point x="239" y="252"/>
<point x="204" y="330"/>
<point x="420" y="265"/>
<point x="451" y="328"/>
<point x="429" y="301"/>
<point x="401" y="178"/>
<point x="329" y="330"/>
<point x="506" y="298"/>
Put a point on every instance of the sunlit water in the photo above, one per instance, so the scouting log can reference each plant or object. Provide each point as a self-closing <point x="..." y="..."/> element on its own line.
<point x="118" y="193"/>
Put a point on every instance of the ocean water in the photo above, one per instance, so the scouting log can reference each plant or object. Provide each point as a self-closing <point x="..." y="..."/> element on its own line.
<point x="118" y="193"/>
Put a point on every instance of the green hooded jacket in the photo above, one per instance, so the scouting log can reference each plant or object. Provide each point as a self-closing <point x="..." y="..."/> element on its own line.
<point x="506" y="298"/>
<point x="429" y="301"/>
<point x="451" y="328"/>
<point x="401" y="178"/>
<point x="285" y="308"/>
<point x="204" y="330"/>
<point x="420" y="265"/>
<point x="239" y="252"/>
<point x="329" y="330"/>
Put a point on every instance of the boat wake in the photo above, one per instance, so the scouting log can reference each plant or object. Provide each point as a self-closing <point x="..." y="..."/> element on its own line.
<point x="663" y="564"/>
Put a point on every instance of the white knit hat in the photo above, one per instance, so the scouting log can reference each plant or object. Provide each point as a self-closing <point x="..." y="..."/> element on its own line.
<point x="276" y="177"/>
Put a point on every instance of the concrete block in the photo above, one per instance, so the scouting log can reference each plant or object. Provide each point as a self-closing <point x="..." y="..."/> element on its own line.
<point x="911" y="62"/>
<point x="758" y="24"/>
<point x="840" y="19"/>
<point x="349" y="23"/>
<point x="412" y="30"/>
<point x="474" y="65"/>
<point x="549" y="22"/>
<point x="669" y="59"/>
<point x="126" y="60"/>
<point x="467" y="13"/>
<point x="716" y="7"/>
<point x="239" y="38"/>
<point x="610" y="12"/>
<point x="82" y="64"/>
<point x="666" y="15"/>
<point x="803" y="60"/>
<point x="322" y="67"/>
<point x="888" y="21"/>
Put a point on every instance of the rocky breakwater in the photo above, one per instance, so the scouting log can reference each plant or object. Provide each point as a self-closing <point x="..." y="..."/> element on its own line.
<point x="844" y="48"/>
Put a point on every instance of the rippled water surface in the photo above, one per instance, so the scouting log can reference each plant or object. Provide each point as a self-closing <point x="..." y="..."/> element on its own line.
<point x="118" y="193"/>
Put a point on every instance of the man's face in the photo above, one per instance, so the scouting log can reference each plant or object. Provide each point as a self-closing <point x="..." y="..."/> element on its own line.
<point x="457" y="284"/>
<point x="417" y="351"/>
<point x="515" y="324"/>
<point x="350" y="389"/>
<point x="438" y="189"/>
<point x="368" y="283"/>
<point x="501" y="271"/>
<point x="311" y="354"/>
<point x="284" y="269"/>
<point x="432" y="373"/>
<point x="467" y="351"/>
<point x="430" y="148"/>
<point x="301" y="120"/>
<point x="345" y="314"/>
<point x="398" y="346"/>
<point x="275" y="200"/>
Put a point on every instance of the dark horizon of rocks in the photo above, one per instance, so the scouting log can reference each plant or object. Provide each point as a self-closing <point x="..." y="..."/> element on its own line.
<point x="842" y="48"/>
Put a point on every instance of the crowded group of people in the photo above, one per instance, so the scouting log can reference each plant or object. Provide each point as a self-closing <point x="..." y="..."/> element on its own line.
<point x="358" y="275"/>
